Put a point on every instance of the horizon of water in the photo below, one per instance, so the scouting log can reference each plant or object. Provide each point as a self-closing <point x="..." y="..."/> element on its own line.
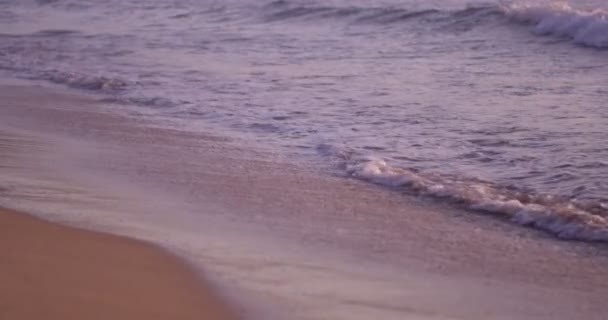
<point x="495" y="106"/>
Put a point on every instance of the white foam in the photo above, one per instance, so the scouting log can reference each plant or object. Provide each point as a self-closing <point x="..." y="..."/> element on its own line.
<point x="588" y="28"/>
<point x="560" y="217"/>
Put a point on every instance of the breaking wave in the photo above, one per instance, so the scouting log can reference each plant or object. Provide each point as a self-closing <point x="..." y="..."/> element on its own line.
<point x="571" y="219"/>
<point x="585" y="27"/>
<point x="589" y="28"/>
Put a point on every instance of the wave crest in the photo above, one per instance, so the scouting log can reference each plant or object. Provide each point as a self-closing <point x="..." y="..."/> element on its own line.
<point x="284" y="10"/>
<point x="565" y="218"/>
<point x="589" y="28"/>
<point x="584" y="27"/>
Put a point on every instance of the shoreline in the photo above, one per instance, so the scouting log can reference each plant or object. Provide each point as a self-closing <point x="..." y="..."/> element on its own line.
<point x="320" y="245"/>
<point x="56" y="272"/>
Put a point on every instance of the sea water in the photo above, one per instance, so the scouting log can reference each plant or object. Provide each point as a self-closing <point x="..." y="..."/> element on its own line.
<point x="498" y="106"/>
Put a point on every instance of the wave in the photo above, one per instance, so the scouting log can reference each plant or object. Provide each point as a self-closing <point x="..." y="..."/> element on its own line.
<point x="283" y="10"/>
<point x="589" y="28"/>
<point x="565" y="218"/>
<point x="71" y="79"/>
<point x="153" y="102"/>
<point x="82" y="81"/>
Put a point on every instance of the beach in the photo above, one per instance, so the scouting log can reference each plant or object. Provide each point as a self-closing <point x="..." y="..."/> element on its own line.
<point x="277" y="240"/>
<point x="304" y="159"/>
<point x="55" y="272"/>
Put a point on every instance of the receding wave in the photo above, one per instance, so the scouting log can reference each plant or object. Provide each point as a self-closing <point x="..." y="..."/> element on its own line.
<point x="565" y="218"/>
<point x="585" y="27"/>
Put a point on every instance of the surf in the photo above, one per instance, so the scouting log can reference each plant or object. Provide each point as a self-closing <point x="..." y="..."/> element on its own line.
<point x="584" y="27"/>
<point x="568" y="219"/>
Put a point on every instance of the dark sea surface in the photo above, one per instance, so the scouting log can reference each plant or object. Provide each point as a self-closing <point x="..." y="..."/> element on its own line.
<point x="499" y="107"/>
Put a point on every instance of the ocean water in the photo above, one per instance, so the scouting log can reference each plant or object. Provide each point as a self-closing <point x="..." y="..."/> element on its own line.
<point x="496" y="106"/>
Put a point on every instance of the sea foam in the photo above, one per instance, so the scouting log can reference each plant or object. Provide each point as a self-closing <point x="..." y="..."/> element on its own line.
<point x="565" y="218"/>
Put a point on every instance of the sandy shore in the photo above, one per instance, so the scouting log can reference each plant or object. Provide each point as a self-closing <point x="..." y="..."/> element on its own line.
<point x="311" y="245"/>
<point x="50" y="272"/>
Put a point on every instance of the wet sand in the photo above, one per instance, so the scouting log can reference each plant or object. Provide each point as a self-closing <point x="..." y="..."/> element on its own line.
<point x="52" y="272"/>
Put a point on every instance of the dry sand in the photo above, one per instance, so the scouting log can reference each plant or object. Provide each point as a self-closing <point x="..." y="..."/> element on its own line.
<point x="51" y="272"/>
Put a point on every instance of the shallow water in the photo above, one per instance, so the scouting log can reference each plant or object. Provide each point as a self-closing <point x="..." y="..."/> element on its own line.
<point x="499" y="106"/>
